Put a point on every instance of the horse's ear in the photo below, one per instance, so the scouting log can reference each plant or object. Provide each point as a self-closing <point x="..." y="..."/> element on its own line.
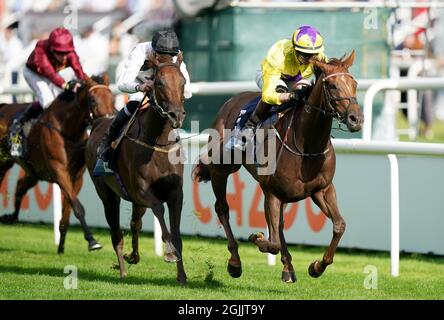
<point x="88" y="81"/>
<point x="348" y="62"/>
<point x="153" y="59"/>
<point x="179" y="59"/>
<point x="105" y="77"/>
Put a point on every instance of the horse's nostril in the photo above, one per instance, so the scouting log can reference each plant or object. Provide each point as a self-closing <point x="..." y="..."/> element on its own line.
<point x="173" y="115"/>
<point x="352" y="119"/>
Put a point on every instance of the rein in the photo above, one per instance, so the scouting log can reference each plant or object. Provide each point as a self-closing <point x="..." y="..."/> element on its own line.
<point x="160" y="109"/>
<point x="327" y="97"/>
<point x="90" y="109"/>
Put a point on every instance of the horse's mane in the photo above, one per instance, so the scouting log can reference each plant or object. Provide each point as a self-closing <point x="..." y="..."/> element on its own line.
<point x="335" y="62"/>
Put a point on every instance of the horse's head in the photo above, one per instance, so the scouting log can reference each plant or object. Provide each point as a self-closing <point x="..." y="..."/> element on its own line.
<point x="339" y="91"/>
<point x="168" y="93"/>
<point x="100" y="99"/>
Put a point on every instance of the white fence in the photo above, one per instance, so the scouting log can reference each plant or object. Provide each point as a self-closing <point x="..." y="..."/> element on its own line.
<point x="354" y="147"/>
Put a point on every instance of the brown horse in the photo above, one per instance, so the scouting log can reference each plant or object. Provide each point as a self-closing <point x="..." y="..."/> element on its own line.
<point x="56" y="145"/>
<point x="146" y="176"/>
<point x="305" y="162"/>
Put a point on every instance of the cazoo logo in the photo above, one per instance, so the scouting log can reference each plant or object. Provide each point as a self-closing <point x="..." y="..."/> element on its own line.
<point x="256" y="215"/>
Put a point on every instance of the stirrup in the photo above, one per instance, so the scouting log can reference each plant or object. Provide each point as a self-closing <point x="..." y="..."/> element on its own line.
<point x="236" y="141"/>
<point x="102" y="170"/>
<point x="16" y="144"/>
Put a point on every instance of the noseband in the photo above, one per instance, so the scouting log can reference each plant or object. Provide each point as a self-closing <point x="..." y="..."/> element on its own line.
<point x="329" y="99"/>
<point x="159" y="107"/>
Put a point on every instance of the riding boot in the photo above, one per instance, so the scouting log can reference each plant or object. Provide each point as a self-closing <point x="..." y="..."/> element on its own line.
<point x="15" y="131"/>
<point x="104" y="150"/>
<point x="248" y="132"/>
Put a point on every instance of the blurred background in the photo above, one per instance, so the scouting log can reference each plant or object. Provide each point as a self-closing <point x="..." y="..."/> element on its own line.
<point x="227" y="40"/>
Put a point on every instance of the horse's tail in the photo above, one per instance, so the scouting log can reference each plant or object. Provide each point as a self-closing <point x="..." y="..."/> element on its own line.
<point x="201" y="170"/>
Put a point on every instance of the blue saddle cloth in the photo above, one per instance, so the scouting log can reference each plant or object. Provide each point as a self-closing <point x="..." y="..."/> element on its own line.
<point x="248" y="110"/>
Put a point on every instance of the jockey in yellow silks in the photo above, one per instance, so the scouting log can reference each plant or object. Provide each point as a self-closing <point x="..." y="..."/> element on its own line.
<point x="287" y="61"/>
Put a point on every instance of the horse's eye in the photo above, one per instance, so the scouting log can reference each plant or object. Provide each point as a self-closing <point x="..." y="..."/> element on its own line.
<point x="333" y="87"/>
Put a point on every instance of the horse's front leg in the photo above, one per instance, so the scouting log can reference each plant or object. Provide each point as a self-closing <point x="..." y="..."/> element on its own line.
<point x="273" y="217"/>
<point x="136" y="226"/>
<point x="175" y="203"/>
<point x="326" y="200"/>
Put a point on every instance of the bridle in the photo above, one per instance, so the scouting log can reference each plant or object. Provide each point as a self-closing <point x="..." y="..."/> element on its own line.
<point x="328" y="98"/>
<point x="161" y="110"/>
<point x="92" y="107"/>
<point x="159" y="107"/>
<point x="330" y="112"/>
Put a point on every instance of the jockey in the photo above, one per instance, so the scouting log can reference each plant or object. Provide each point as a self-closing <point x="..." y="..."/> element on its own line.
<point x="41" y="73"/>
<point x="136" y="79"/>
<point x="288" y="61"/>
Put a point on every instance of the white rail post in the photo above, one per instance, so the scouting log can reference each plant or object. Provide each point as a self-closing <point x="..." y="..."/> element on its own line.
<point x="158" y="244"/>
<point x="394" y="208"/>
<point x="57" y="209"/>
<point x="271" y="258"/>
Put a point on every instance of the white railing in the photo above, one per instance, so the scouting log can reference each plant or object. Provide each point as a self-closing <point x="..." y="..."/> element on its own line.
<point x="198" y="88"/>
<point x="393" y="84"/>
<point x="392" y="149"/>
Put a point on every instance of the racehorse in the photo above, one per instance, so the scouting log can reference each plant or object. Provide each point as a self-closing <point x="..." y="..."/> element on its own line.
<point x="55" y="149"/>
<point x="305" y="162"/>
<point x="146" y="176"/>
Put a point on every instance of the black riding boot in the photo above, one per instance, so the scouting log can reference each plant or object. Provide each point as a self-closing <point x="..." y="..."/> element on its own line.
<point x="247" y="133"/>
<point x="113" y="131"/>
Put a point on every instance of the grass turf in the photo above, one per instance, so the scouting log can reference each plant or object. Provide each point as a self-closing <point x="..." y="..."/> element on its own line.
<point x="31" y="269"/>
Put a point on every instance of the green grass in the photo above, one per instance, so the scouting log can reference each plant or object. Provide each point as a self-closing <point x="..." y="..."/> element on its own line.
<point x="31" y="269"/>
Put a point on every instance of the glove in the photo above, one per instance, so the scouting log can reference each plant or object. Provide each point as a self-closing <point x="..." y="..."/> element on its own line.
<point x="294" y="96"/>
<point x="72" y="86"/>
<point x="146" y="86"/>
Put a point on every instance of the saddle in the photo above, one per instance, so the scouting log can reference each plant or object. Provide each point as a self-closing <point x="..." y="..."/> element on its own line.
<point x="247" y="111"/>
<point x="115" y="149"/>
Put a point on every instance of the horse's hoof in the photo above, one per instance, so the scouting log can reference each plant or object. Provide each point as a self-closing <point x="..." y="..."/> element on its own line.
<point x="94" y="245"/>
<point x="256" y="236"/>
<point x="132" y="258"/>
<point x="171" y="257"/>
<point x="312" y="270"/>
<point x="182" y="280"/>
<point x="288" y="276"/>
<point x="123" y="275"/>
<point x="234" y="272"/>
<point x="8" y="219"/>
<point x="60" y="250"/>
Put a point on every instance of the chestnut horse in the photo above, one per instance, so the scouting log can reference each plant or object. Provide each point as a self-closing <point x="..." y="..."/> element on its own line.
<point x="55" y="149"/>
<point x="146" y="176"/>
<point x="305" y="162"/>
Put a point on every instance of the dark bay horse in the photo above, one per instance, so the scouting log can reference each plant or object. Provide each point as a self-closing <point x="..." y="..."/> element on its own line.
<point x="147" y="177"/>
<point x="56" y="145"/>
<point x="305" y="163"/>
